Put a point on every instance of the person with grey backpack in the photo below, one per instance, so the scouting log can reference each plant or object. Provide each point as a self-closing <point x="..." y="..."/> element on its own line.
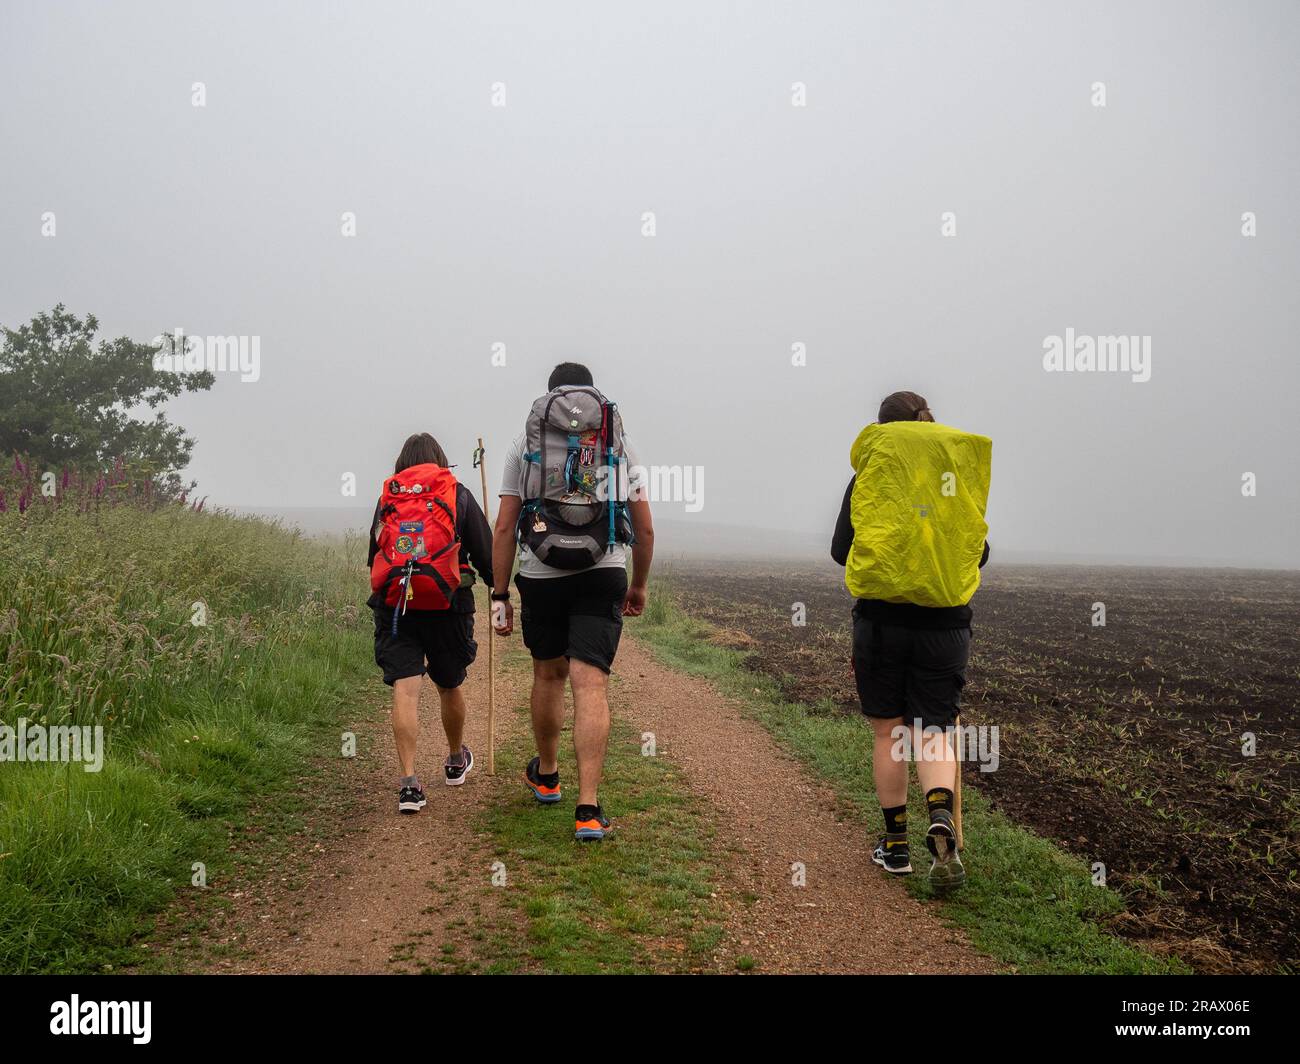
<point x="572" y="502"/>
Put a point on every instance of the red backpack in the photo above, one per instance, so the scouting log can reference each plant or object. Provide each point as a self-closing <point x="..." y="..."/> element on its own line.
<point x="417" y="565"/>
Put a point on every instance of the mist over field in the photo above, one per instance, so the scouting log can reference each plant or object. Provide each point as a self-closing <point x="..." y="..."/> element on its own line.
<point x="802" y="164"/>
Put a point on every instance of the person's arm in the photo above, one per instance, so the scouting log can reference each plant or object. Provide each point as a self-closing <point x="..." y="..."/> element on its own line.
<point x="510" y="504"/>
<point x="374" y="544"/>
<point x="843" y="538"/>
<point x="475" y="536"/>
<point x="503" y="561"/>
<point x="643" y="552"/>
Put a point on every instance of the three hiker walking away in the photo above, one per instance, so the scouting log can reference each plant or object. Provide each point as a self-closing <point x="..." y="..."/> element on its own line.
<point x="911" y="535"/>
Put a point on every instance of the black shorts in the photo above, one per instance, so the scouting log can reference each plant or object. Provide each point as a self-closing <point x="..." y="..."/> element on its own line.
<point x="578" y="616"/>
<point x="910" y="672"/>
<point x="439" y="642"/>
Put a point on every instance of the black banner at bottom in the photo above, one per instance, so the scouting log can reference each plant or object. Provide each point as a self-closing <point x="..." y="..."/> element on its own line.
<point x="211" y="1013"/>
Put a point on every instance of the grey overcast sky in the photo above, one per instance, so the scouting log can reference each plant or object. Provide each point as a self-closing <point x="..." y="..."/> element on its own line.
<point x="776" y="224"/>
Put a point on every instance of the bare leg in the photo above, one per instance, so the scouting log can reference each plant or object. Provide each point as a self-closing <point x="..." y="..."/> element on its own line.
<point x="889" y="770"/>
<point x="547" y="704"/>
<point x="590" y="726"/>
<point x="453" y="716"/>
<point x="936" y="764"/>
<point x="406" y="721"/>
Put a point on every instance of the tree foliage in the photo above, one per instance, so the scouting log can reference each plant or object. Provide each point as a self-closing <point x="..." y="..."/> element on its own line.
<point x="69" y="403"/>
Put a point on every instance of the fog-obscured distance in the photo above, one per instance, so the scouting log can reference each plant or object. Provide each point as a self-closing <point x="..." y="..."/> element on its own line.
<point x="499" y="162"/>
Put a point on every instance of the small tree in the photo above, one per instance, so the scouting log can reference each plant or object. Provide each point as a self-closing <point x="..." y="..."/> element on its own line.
<point x="67" y="403"/>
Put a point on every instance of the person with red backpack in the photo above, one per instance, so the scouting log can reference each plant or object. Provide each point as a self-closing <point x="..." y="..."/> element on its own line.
<point x="572" y="499"/>
<point x="427" y="527"/>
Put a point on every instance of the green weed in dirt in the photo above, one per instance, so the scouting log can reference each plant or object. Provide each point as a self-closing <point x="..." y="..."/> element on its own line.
<point x="637" y="902"/>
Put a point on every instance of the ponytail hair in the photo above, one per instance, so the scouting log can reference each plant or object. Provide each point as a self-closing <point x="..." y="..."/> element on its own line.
<point x="904" y="406"/>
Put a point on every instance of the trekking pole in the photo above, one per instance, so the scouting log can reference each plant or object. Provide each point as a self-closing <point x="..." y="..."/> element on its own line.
<point x="956" y="788"/>
<point x="403" y="594"/>
<point x="612" y="484"/>
<point x="491" y="642"/>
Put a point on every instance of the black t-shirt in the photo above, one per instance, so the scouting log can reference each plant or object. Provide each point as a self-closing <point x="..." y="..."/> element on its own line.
<point x="475" y="544"/>
<point x="903" y="614"/>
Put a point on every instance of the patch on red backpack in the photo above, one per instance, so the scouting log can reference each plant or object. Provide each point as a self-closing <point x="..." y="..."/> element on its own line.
<point x="418" y="546"/>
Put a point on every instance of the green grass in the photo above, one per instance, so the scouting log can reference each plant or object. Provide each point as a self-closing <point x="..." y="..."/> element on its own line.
<point x="95" y="627"/>
<point x="203" y="721"/>
<point x="637" y="902"/>
<point x="1027" y="904"/>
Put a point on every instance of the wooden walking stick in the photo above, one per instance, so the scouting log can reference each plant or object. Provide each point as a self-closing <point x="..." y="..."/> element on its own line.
<point x="956" y="788"/>
<point x="491" y="642"/>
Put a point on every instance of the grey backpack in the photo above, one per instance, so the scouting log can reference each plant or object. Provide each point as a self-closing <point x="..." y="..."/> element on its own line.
<point x="575" y="473"/>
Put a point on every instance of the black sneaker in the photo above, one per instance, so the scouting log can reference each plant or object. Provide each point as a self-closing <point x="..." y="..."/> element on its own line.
<point x="893" y="855"/>
<point x="590" y="823"/>
<point x="947" y="873"/>
<point x="410" y="799"/>
<point x="546" y="789"/>
<point x="456" y="773"/>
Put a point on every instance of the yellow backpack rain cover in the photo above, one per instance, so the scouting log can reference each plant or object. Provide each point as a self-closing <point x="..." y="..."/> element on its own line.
<point x="918" y="513"/>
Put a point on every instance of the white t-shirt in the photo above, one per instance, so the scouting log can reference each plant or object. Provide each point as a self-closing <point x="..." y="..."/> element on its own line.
<point x="512" y="480"/>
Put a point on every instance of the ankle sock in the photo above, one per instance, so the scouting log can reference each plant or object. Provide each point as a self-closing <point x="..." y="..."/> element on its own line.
<point x="409" y="781"/>
<point x="895" y="819"/>
<point x="549" y="778"/>
<point x="939" y="798"/>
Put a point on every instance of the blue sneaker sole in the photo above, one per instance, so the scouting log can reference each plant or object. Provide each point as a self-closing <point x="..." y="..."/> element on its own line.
<point x="588" y="835"/>
<point x="545" y="799"/>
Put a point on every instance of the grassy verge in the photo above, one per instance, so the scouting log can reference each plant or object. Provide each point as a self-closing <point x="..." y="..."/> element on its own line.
<point x="1026" y="904"/>
<point x="637" y="902"/>
<point x="98" y="627"/>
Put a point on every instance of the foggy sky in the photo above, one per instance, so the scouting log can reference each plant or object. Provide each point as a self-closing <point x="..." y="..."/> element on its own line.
<point x="775" y="225"/>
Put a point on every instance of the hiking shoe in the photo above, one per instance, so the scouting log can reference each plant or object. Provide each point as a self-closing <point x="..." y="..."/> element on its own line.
<point x="893" y="855"/>
<point x="457" y="771"/>
<point x="410" y="799"/>
<point x="546" y="789"/>
<point x="590" y="823"/>
<point x="947" y="872"/>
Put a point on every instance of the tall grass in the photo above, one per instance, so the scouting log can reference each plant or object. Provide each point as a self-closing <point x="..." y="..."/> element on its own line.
<point x="214" y="651"/>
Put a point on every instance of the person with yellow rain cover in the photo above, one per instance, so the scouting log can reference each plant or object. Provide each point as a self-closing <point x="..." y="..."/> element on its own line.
<point x="912" y="537"/>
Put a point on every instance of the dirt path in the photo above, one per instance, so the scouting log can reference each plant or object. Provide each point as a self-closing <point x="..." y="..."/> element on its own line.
<point x="392" y="891"/>
<point x="771" y="814"/>
<point x="385" y="893"/>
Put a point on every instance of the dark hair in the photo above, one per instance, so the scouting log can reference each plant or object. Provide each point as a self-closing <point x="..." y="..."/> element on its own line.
<point x="569" y="373"/>
<point x="420" y="449"/>
<point x="904" y="406"/>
